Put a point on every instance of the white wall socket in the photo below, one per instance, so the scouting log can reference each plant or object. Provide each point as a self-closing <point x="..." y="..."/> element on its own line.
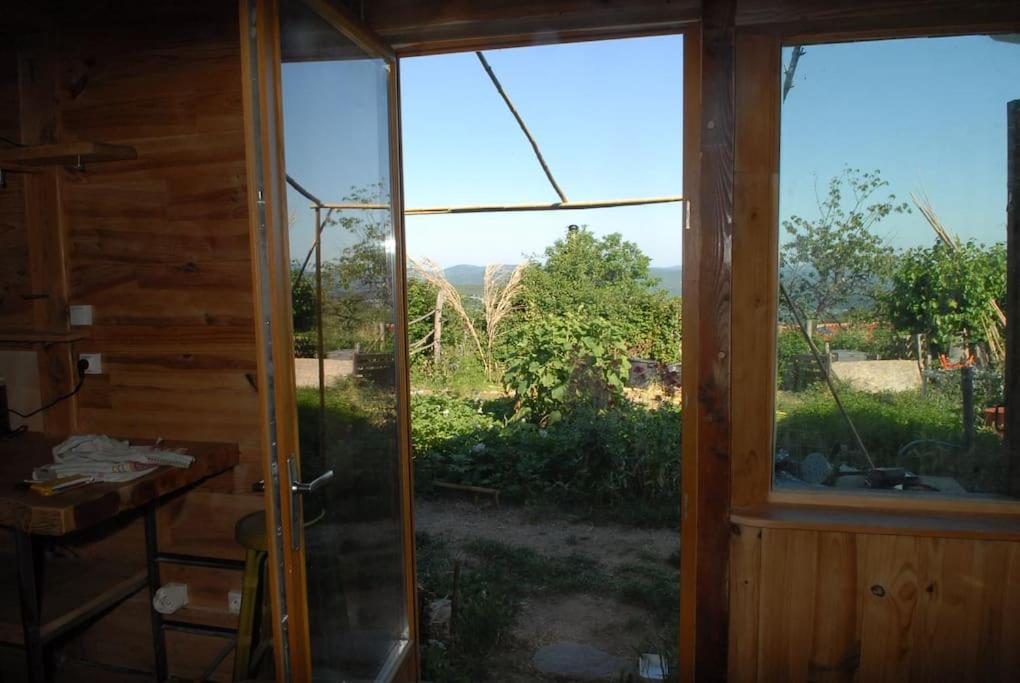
<point x="95" y="363"/>
<point x="234" y="602"/>
<point x="81" y="315"/>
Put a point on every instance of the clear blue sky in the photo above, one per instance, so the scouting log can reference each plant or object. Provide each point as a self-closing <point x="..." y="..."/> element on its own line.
<point x="929" y="113"/>
<point x="607" y="115"/>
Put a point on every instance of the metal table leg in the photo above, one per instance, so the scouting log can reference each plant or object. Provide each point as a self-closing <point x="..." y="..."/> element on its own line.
<point x="152" y="567"/>
<point x="30" y="597"/>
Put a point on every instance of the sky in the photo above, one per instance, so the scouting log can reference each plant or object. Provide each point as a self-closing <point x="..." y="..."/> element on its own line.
<point x="607" y="115"/>
<point x="929" y="114"/>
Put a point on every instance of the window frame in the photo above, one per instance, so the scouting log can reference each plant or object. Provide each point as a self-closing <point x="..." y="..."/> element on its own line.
<point x="755" y="301"/>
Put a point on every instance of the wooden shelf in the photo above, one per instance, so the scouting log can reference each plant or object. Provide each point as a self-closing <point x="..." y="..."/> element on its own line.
<point x="64" y="154"/>
<point x="45" y="337"/>
<point x="1003" y="527"/>
<point x="74" y="592"/>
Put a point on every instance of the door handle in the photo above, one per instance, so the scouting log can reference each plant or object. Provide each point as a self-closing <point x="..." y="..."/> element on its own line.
<point x="300" y="487"/>
<point x="314" y="485"/>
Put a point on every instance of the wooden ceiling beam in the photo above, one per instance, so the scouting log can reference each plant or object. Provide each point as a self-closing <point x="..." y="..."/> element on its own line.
<point x="417" y="27"/>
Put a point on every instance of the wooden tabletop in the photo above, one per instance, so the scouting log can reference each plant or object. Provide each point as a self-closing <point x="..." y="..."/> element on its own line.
<point x="87" y="506"/>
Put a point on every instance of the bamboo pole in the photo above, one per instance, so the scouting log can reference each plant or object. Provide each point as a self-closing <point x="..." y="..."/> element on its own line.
<point x="524" y="128"/>
<point x="825" y="368"/>
<point x="498" y="208"/>
<point x="320" y="337"/>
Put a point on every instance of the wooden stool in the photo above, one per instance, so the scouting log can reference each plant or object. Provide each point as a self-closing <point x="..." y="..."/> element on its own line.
<point x="250" y="533"/>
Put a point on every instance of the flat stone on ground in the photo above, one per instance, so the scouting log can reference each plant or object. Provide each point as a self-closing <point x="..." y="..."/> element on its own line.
<point x="577" y="660"/>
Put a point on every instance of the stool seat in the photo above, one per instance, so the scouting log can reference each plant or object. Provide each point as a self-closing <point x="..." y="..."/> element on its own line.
<point x="250" y="532"/>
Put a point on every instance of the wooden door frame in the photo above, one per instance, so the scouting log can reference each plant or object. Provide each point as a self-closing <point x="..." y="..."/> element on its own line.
<point x="264" y="50"/>
<point x="264" y="145"/>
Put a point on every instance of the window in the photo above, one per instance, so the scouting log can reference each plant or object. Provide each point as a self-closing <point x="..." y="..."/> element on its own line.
<point x="893" y="250"/>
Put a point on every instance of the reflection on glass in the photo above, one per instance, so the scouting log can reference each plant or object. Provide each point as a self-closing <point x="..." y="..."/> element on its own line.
<point x="335" y="102"/>
<point x="891" y="342"/>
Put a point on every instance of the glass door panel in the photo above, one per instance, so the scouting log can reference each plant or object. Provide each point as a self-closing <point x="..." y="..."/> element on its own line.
<point x="336" y="105"/>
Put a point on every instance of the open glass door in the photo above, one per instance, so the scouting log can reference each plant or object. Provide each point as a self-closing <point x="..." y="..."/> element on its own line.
<point x="329" y="269"/>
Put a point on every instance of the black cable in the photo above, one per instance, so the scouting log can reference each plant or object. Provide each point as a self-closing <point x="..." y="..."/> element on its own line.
<point x="82" y="367"/>
<point x="11" y="142"/>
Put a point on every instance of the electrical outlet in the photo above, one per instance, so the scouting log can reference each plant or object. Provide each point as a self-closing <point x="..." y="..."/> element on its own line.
<point x="81" y="315"/>
<point x="95" y="363"/>
<point x="234" y="602"/>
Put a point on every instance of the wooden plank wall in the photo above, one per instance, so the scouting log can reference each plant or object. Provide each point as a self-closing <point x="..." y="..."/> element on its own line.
<point x="159" y="247"/>
<point x="834" y="606"/>
<point x="15" y="310"/>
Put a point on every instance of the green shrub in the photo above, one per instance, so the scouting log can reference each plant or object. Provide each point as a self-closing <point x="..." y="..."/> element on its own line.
<point x="789" y="345"/>
<point x="306" y="345"/>
<point x="440" y="422"/>
<point x="810" y="422"/>
<point x="879" y="341"/>
<point x="943" y="292"/>
<point x="561" y="362"/>
<point x="623" y="460"/>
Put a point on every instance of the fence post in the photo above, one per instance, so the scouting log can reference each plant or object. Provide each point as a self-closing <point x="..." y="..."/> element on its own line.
<point x="967" y="389"/>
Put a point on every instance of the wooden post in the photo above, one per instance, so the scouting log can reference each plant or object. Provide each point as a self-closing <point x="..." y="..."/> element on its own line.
<point x="919" y="350"/>
<point x="704" y="608"/>
<point x="437" y="328"/>
<point x="1012" y="376"/>
<point x="47" y="233"/>
<point x="967" y="391"/>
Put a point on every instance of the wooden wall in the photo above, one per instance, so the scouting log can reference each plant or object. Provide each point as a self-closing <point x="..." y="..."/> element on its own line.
<point x="15" y="310"/>
<point x="159" y="247"/>
<point x="811" y="605"/>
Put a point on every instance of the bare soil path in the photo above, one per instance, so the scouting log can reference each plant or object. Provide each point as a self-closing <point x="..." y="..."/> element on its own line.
<point x="615" y="627"/>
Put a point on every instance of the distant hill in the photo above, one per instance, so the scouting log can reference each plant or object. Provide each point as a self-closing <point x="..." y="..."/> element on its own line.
<point x="469" y="278"/>
<point x="670" y="278"/>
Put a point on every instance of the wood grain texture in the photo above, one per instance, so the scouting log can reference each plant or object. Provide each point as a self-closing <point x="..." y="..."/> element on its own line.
<point x="689" y="345"/>
<point x="159" y="246"/>
<point x="46" y="229"/>
<point x="818" y="20"/>
<point x="91" y="505"/>
<point x="1004" y="526"/>
<point x="704" y="618"/>
<point x="430" y="26"/>
<point x="755" y="264"/>
<point x="839" y="606"/>
<point x="745" y="575"/>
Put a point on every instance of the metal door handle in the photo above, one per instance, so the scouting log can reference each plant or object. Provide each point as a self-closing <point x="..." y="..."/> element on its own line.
<point x="313" y="485"/>
<point x="296" y="487"/>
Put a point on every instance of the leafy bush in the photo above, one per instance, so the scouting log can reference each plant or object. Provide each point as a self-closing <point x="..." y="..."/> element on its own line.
<point x="302" y="297"/>
<point x="609" y="277"/>
<point x="810" y="422"/>
<point x="946" y="385"/>
<point x="439" y="421"/>
<point x="624" y="460"/>
<point x="789" y="345"/>
<point x="561" y="362"/>
<point x="306" y="345"/>
<point x="943" y="293"/>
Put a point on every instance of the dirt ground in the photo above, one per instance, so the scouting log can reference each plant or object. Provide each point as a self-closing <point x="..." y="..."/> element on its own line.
<point x="614" y="627"/>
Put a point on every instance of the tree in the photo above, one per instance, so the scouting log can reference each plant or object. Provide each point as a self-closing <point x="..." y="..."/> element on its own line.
<point x="302" y="295"/>
<point x="560" y="362"/>
<point x="609" y="278"/>
<point x="946" y="294"/>
<point x="835" y="263"/>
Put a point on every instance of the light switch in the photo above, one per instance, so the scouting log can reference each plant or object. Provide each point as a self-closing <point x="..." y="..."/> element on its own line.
<point x="81" y="315"/>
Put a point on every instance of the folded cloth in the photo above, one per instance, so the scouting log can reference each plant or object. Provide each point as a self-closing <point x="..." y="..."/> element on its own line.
<point x="103" y="458"/>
